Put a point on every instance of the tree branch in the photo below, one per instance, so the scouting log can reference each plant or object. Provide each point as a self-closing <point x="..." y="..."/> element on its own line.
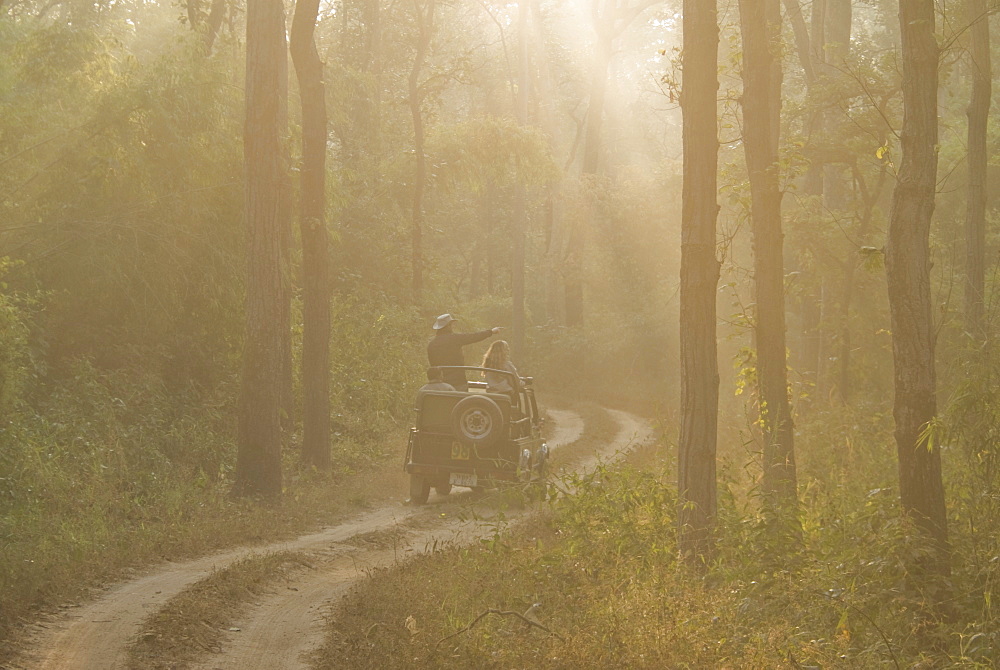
<point x="499" y="613"/>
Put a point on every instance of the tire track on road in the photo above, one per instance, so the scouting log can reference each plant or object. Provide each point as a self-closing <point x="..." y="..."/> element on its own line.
<point x="286" y="627"/>
<point x="96" y="636"/>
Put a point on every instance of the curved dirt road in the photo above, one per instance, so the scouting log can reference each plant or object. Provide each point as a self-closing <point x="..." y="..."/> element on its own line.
<point x="281" y="628"/>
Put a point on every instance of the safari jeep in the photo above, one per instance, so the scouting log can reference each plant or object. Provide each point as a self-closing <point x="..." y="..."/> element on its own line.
<point x="474" y="439"/>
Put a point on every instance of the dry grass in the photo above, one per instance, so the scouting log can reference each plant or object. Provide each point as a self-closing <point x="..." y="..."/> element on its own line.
<point x="107" y="548"/>
<point x="193" y="622"/>
<point x="602" y="564"/>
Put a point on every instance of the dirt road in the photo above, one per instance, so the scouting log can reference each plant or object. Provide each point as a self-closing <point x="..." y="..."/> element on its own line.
<point x="281" y="628"/>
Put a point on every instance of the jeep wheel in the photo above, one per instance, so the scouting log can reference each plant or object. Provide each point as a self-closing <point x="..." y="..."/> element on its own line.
<point x="443" y="487"/>
<point x="420" y="489"/>
<point x="477" y="421"/>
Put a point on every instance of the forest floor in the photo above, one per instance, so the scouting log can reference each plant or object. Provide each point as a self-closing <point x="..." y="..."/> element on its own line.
<point x="270" y="606"/>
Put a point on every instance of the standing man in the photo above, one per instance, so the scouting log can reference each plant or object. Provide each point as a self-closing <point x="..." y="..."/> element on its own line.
<point x="445" y="349"/>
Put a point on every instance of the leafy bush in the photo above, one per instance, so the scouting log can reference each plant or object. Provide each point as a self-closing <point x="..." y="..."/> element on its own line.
<point x="603" y="565"/>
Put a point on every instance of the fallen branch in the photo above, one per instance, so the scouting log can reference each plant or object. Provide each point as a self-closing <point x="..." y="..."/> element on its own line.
<point x="500" y="613"/>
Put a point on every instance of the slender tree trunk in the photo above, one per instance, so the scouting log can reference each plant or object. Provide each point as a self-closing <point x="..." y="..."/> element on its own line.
<point x="553" y="256"/>
<point x="258" y="460"/>
<point x="489" y="199"/>
<point x="908" y="274"/>
<point x="870" y="198"/>
<point x="809" y="304"/>
<point x="520" y="191"/>
<point x="975" y="220"/>
<point x="425" y="29"/>
<point x="193" y="8"/>
<point x="699" y="282"/>
<point x="315" y="239"/>
<point x="215" y="17"/>
<point x="554" y="224"/>
<point x="573" y="269"/>
<point x="287" y="242"/>
<point x="760" y="27"/>
<point x="837" y="24"/>
<point x="373" y="22"/>
<point x="812" y="311"/>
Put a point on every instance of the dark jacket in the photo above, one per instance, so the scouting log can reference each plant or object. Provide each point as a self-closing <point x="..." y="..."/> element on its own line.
<point x="446" y="349"/>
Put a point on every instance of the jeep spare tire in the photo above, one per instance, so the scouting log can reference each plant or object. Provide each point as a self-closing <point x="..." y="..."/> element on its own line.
<point x="477" y="421"/>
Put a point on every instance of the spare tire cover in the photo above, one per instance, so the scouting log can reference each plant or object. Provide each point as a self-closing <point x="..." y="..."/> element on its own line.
<point x="477" y="421"/>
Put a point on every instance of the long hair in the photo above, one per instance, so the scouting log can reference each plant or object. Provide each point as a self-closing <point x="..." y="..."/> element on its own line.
<point x="497" y="355"/>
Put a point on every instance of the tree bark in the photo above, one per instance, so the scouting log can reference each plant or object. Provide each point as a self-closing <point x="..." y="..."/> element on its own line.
<point x="699" y="282"/>
<point x="810" y="305"/>
<point x="908" y="274"/>
<point x="258" y="460"/>
<point x="975" y="220"/>
<point x="760" y="28"/>
<point x="425" y="29"/>
<point x="573" y="272"/>
<point x="837" y="42"/>
<point x="287" y="242"/>
<point x="215" y="17"/>
<point x="193" y="8"/>
<point x="315" y="239"/>
<point x="520" y="191"/>
<point x="838" y="24"/>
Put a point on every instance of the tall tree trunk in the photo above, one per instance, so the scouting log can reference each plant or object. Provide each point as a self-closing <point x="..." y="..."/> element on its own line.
<point x="869" y="198"/>
<point x="553" y="221"/>
<point x="576" y="235"/>
<point x="573" y="270"/>
<point x="760" y="28"/>
<point x="975" y="220"/>
<point x="838" y="24"/>
<point x="215" y="17"/>
<point x="258" y="459"/>
<point x="373" y="23"/>
<point x="193" y="8"/>
<point x="554" y="255"/>
<point x="287" y="242"/>
<point x="520" y="191"/>
<point x="315" y="239"/>
<point x="699" y="282"/>
<point x="908" y="273"/>
<point x="810" y="303"/>
<point x="425" y="29"/>
<point x="837" y="43"/>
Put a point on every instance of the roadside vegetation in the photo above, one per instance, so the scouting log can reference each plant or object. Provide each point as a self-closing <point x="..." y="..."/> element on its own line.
<point x="602" y="564"/>
<point x="103" y="471"/>
<point x="526" y="165"/>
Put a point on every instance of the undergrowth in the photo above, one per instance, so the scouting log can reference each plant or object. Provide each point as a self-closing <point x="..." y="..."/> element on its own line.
<point x="104" y="470"/>
<point x="601" y="565"/>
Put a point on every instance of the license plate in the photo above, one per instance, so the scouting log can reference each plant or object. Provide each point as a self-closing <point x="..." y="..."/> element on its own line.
<point x="460" y="452"/>
<point x="462" y="479"/>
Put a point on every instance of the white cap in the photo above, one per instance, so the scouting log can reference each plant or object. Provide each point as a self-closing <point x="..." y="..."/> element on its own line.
<point x="443" y="321"/>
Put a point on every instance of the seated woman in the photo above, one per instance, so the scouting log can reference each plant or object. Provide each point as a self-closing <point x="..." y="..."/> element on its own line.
<point x="498" y="358"/>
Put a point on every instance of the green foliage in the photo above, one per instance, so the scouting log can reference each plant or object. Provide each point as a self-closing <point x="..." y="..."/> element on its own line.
<point x="490" y="151"/>
<point x="378" y="360"/>
<point x="124" y="203"/>
<point x="623" y="517"/>
<point x="616" y="358"/>
<point x="13" y="347"/>
<point x="602" y="564"/>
